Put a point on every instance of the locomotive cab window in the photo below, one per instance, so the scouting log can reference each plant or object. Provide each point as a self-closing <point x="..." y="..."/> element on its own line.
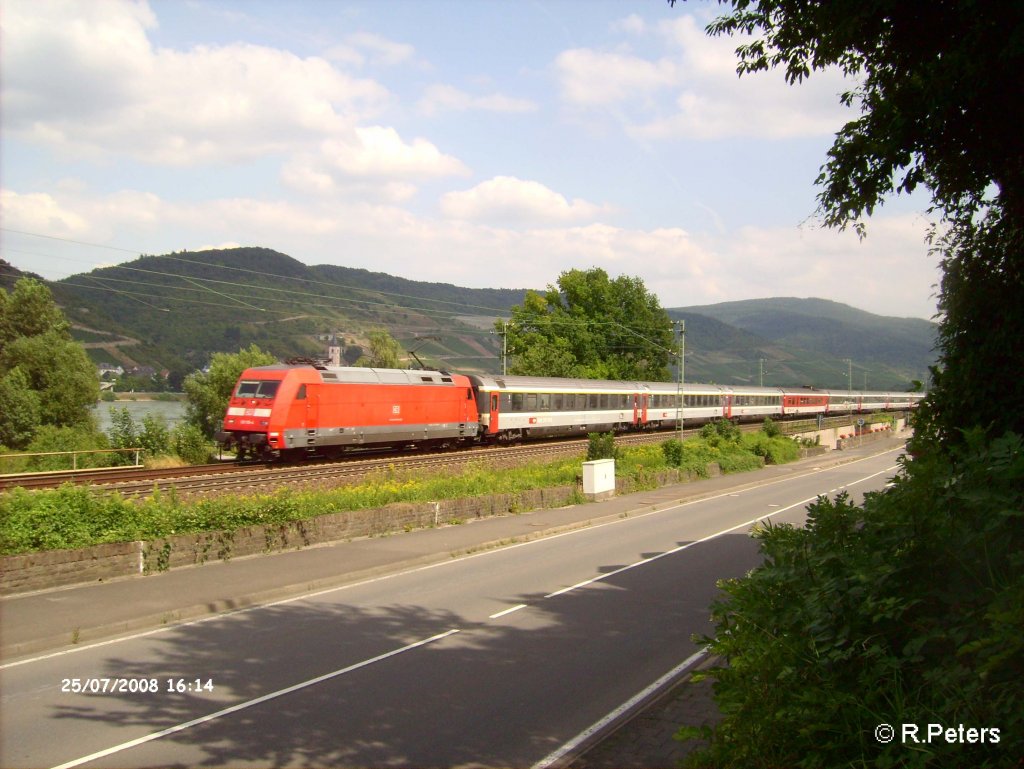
<point x="257" y="389"/>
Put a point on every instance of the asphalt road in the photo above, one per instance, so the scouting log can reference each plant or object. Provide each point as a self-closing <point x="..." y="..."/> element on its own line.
<point x="500" y="658"/>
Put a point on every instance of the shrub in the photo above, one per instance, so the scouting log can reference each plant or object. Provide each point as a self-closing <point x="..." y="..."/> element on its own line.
<point x="775" y="451"/>
<point x="190" y="444"/>
<point x="908" y="609"/>
<point x="66" y="439"/>
<point x="155" y="438"/>
<point x="601" y="446"/>
<point x="720" y="432"/>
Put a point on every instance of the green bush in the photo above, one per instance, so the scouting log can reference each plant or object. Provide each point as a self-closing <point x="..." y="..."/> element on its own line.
<point x="66" y="439"/>
<point x="190" y="444"/>
<point x="908" y="609"/>
<point x="68" y="517"/>
<point x="720" y="432"/>
<point x="601" y="446"/>
<point x="774" y="450"/>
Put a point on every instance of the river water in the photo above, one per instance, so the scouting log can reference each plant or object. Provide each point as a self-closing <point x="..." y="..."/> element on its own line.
<point x="172" y="411"/>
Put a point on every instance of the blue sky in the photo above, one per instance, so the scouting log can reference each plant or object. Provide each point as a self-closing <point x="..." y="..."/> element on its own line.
<point x="486" y="144"/>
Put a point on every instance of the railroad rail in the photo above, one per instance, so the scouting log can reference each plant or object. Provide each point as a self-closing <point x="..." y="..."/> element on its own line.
<point x="226" y="477"/>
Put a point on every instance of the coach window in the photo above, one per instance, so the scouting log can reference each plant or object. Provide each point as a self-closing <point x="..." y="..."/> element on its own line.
<point x="556" y="401"/>
<point x="531" y="401"/>
<point x="517" y="401"/>
<point x="592" y="402"/>
<point x="544" y="402"/>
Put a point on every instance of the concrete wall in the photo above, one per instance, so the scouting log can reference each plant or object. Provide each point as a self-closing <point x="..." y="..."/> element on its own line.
<point x="839" y="438"/>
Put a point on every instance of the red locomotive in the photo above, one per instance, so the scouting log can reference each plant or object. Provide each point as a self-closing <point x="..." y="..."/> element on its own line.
<point x="289" y="410"/>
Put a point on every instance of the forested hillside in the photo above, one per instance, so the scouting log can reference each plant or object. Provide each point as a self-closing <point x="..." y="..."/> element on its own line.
<point x="173" y="311"/>
<point x="882" y="350"/>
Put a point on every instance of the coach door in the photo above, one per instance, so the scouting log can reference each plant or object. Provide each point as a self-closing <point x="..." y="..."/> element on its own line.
<point x="493" y="427"/>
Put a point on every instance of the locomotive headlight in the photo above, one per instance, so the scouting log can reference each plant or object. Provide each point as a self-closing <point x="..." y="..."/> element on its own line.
<point x="273" y="435"/>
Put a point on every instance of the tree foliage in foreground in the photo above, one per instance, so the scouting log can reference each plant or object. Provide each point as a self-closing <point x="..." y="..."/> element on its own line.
<point x="591" y="327"/>
<point x="939" y="94"/>
<point x="908" y="609"/>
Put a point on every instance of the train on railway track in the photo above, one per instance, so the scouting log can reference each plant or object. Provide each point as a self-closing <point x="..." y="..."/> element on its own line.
<point x="295" y="410"/>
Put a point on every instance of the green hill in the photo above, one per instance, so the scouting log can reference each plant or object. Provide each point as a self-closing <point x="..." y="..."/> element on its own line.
<point x="182" y="307"/>
<point x="173" y="311"/>
<point x="885" y="352"/>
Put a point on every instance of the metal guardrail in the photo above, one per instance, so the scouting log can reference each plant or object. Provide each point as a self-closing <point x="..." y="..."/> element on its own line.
<point x="73" y="454"/>
<point x="828" y="423"/>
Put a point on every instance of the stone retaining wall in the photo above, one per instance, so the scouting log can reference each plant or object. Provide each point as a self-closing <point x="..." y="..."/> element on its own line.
<point x="56" y="568"/>
<point x="53" y="568"/>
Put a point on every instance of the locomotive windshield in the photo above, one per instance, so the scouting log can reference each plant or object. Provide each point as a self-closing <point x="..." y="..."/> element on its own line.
<point x="263" y="388"/>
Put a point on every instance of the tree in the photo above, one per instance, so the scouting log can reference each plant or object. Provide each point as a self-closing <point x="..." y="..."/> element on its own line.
<point x="19" y="410"/>
<point x="29" y="311"/>
<point x="385" y="351"/>
<point x="207" y="392"/>
<point x="35" y="340"/>
<point x="934" y="90"/>
<point x="905" y="608"/>
<point x="590" y="327"/>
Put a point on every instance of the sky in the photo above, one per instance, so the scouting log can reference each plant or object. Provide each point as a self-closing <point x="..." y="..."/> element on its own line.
<point x="485" y="143"/>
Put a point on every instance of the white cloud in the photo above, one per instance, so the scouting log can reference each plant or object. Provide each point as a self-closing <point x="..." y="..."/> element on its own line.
<point x="592" y="78"/>
<point x="378" y="151"/>
<point x="508" y="200"/>
<point x="41" y="212"/>
<point x="361" y="48"/>
<point x="441" y="98"/>
<point x="632" y="24"/>
<point x="890" y="272"/>
<point x="84" y="77"/>
<point x="708" y="99"/>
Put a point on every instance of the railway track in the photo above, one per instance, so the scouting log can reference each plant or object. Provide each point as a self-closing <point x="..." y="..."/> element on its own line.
<point x="224" y="477"/>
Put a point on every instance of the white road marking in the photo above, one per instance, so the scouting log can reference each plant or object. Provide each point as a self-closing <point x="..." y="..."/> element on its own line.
<point x="251" y="703"/>
<point x="679" y="549"/>
<point x="508" y="611"/>
<point x="637" y="698"/>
